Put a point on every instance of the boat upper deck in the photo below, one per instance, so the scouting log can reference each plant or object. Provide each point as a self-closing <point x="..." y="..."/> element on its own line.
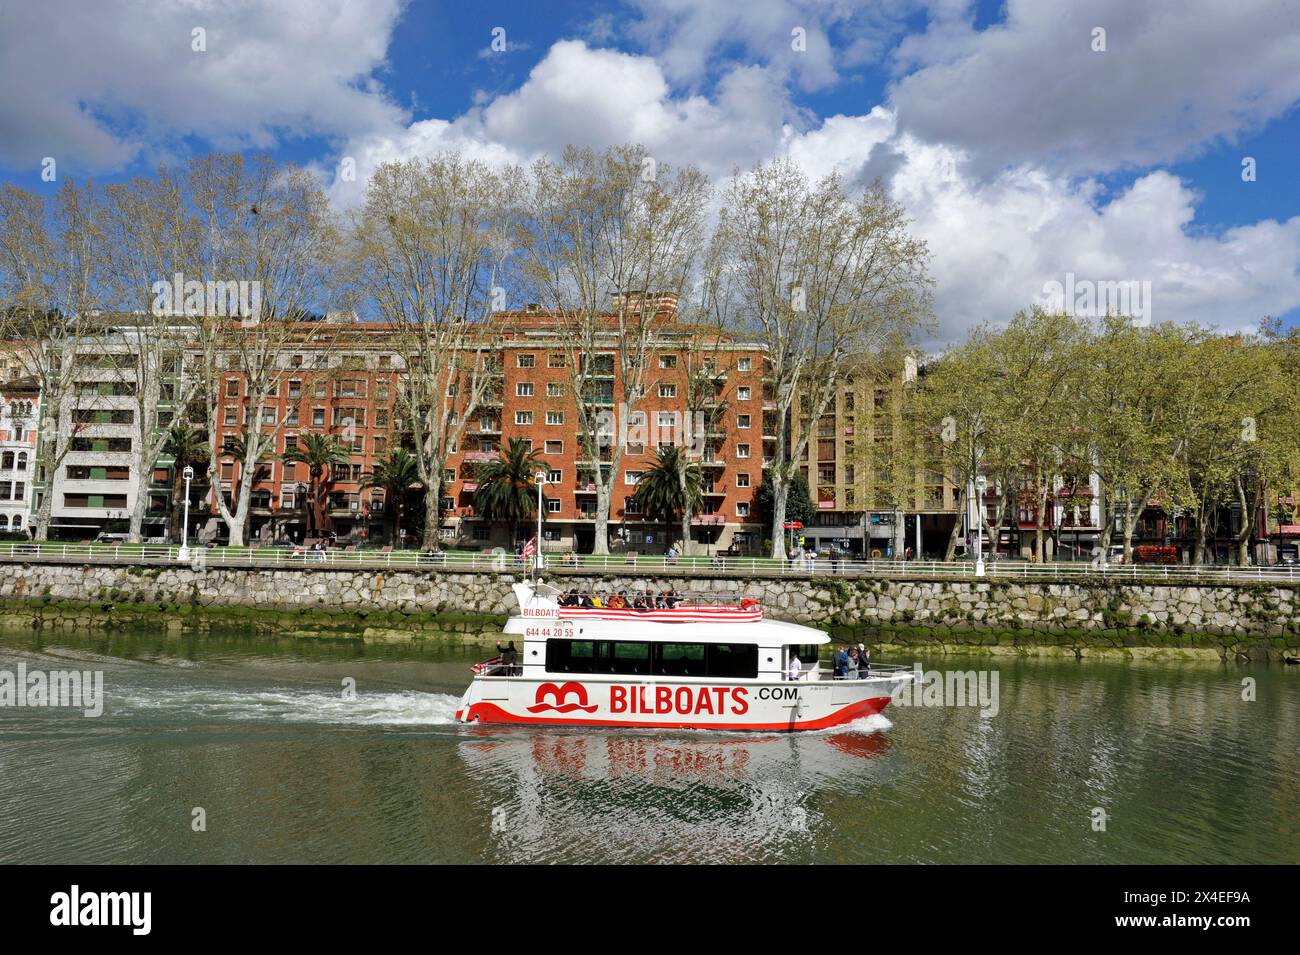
<point x="696" y="619"/>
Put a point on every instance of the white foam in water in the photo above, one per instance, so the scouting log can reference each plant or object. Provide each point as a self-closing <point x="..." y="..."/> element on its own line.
<point x="296" y="706"/>
<point x="875" y="723"/>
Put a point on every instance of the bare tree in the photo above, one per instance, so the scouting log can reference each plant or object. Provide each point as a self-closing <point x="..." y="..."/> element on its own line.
<point x="821" y="277"/>
<point x="51" y="283"/>
<point x="609" y="240"/>
<point x="429" y="251"/>
<point x="265" y="225"/>
<point x="151" y="241"/>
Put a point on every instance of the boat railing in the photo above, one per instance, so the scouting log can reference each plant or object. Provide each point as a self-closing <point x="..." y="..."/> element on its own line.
<point x="872" y="670"/>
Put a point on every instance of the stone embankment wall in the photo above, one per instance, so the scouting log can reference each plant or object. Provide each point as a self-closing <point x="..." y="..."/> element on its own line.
<point x="1247" y="619"/>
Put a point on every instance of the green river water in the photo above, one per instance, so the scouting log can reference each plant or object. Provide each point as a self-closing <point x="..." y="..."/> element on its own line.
<point x="260" y="736"/>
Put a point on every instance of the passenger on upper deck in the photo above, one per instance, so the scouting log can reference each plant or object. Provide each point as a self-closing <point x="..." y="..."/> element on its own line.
<point x="508" y="658"/>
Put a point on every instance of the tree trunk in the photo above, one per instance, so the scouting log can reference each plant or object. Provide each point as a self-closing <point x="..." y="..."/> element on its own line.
<point x="780" y="489"/>
<point x="432" y="500"/>
<point x="42" y="531"/>
<point x="1039" y="518"/>
<point x="600" y="547"/>
<point x="135" y="528"/>
<point x="962" y="504"/>
<point x="1247" y="525"/>
<point x="1104" y="523"/>
<point x="174" y="520"/>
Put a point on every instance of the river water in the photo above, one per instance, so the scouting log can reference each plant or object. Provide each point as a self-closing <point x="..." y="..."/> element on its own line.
<point x="233" y="748"/>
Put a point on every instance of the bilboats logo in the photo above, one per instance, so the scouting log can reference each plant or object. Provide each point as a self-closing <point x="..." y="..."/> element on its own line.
<point x="559" y="694"/>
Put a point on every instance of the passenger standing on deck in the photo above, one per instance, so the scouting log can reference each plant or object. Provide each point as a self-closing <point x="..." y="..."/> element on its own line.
<point x="796" y="668"/>
<point x="851" y="667"/>
<point x="841" y="660"/>
<point x="508" y="657"/>
<point x="864" y="660"/>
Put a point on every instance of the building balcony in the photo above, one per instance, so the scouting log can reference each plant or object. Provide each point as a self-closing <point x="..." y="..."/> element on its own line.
<point x="718" y="490"/>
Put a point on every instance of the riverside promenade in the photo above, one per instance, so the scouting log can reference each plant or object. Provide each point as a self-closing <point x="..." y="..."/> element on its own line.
<point x="1227" y="611"/>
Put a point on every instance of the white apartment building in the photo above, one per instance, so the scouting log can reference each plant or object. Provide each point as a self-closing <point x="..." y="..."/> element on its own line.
<point x="20" y="399"/>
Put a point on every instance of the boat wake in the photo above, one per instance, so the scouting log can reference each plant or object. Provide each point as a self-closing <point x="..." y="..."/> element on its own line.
<point x="409" y="708"/>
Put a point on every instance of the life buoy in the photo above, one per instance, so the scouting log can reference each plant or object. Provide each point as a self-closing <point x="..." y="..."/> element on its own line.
<point x="875" y="553"/>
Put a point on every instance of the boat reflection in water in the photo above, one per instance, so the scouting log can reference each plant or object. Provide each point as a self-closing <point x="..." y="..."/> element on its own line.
<point x="562" y="795"/>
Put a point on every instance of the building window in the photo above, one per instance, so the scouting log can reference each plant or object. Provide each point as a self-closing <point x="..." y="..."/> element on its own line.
<point x="231" y="417"/>
<point x="554" y="389"/>
<point x="552" y="505"/>
<point x="319" y="390"/>
<point x="523" y="417"/>
<point x="668" y="419"/>
<point x="554" y="477"/>
<point x="742" y="421"/>
<point x="743" y="393"/>
<point x="554" y="447"/>
<point x="318" y="417"/>
<point x="743" y="364"/>
<point x="524" y="389"/>
<point x="742" y="450"/>
<point x="482" y="532"/>
<point x="742" y="509"/>
<point x="232" y="387"/>
<point x="526" y="361"/>
<point x="555" y="417"/>
<point x="449" y="476"/>
<point x="667" y="390"/>
<point x="631" y="477"/>
<point x="555" y="361"/>
<point x="295" y="389"/>
<point x="742" y="480"/>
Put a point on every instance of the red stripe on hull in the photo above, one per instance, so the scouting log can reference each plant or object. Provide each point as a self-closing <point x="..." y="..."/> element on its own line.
<point x="491" y="713"/>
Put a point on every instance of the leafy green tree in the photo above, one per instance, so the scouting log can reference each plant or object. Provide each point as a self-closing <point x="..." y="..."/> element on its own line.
<point x="507" y="487"/>
<point x="396" y="474"/>
<point x="185" y="445"/>
<point x="673" y="485"/>
<point x="320" y="453"/>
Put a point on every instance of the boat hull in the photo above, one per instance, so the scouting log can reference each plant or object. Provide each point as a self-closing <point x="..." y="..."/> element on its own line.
<point x="667" y="704"/>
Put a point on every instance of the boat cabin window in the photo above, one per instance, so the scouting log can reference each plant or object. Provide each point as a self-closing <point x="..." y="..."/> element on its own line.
<point x="806" y="652"/>
<point x="626" y="657"/>
<point x="661" y="659"/>
<point x="679" y="659"/>
<point x="733" y="660"/>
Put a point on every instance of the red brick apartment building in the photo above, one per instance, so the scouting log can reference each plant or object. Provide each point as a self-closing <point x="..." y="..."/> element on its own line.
<point x="355" y="381"/>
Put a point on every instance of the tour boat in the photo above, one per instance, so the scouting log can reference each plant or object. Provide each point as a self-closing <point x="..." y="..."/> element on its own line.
<point x="695" y="665"/>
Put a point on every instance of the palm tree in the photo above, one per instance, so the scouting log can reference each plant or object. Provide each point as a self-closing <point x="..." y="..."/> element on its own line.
<point x="507" y="487"/>
<point x="187" y="447"/>
<point x="319" y="452"/>
<point x="395" y="475"/>
<point x="672" y="485"/>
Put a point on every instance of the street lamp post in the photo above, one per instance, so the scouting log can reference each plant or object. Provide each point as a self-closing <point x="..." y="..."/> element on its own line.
<point x="541" y="479"/>
<point x="981" y="482"/>
<point x="184" y="553"/>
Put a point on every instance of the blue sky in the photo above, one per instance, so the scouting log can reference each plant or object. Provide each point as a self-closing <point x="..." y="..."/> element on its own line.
<point x="1021" y="151"/>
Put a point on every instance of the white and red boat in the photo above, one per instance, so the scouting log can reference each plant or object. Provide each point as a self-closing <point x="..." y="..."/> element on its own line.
<point x="719" y="666"/>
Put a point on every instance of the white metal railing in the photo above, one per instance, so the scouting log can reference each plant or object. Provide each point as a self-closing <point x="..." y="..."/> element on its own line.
<point x="639" y="565"/>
